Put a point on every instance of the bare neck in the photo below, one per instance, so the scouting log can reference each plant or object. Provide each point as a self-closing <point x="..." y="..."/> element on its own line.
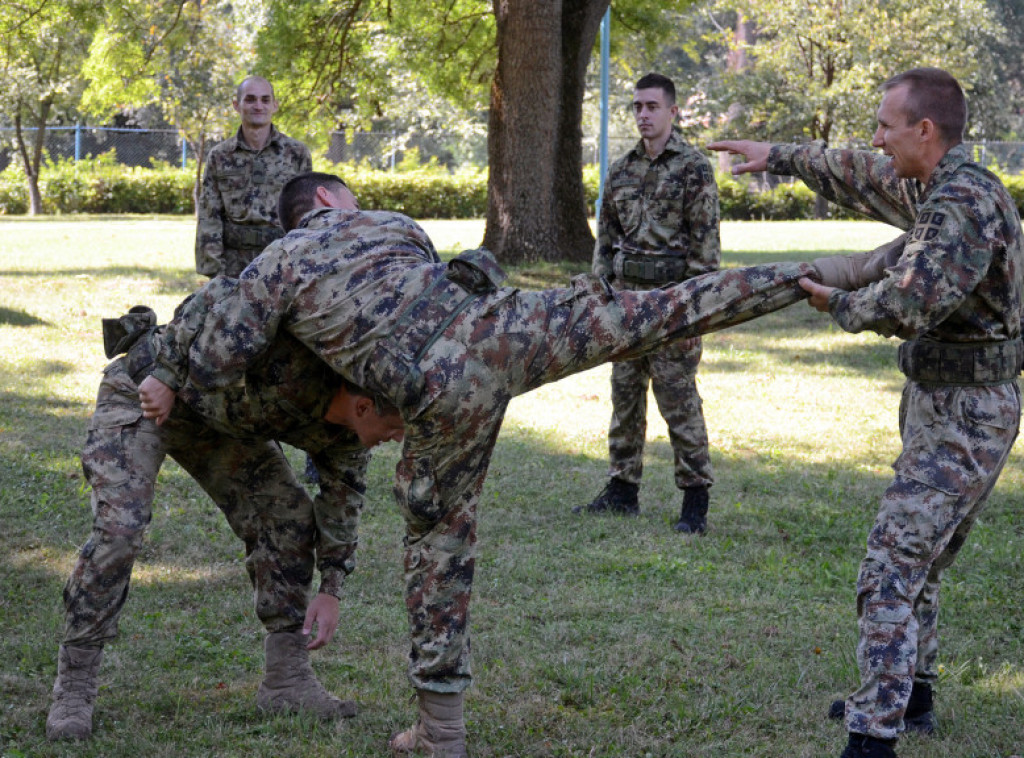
<point x="256" y="137"/>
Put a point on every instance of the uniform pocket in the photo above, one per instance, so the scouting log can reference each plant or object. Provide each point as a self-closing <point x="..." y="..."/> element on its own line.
<point x="417" y="494"/>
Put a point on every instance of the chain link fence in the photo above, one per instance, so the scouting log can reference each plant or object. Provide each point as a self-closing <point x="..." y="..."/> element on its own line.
<point x="381" y="150"/>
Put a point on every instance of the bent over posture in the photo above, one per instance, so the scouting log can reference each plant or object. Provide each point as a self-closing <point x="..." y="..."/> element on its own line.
<point x="222" y="439"/>
<point x="450" y="346"/>
<point x="954" y="295"/>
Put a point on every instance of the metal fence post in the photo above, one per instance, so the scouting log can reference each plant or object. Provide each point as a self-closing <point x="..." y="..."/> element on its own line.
<point x="78" y="142"/>
<point x="184" y="153"/>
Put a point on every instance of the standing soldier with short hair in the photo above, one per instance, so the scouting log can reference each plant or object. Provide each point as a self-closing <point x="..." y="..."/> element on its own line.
<point x="237" y="208"/>
<point x="658" y="225"/>
<point x="954" y="295"/>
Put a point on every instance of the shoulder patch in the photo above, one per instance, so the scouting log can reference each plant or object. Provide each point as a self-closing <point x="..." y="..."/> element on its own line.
<point x="928" y="226"/>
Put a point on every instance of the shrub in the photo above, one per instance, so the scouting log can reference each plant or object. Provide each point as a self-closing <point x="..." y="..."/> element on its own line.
<point x="101" y="185"/>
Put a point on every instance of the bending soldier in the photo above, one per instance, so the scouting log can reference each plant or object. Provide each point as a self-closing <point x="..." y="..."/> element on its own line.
<point x="222" y="439"/>
<point x="449" y="345"/>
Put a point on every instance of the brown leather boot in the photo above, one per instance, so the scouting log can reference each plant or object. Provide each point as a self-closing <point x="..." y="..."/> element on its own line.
<point x="440" y="731"/>
<point x="74" y="692"/>
<point x="290" y="686"/>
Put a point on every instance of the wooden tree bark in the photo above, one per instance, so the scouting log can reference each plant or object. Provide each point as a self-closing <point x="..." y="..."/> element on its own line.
<point x="536" y="204"/>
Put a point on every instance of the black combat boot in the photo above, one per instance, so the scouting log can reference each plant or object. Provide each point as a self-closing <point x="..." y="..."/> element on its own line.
<point x="618" y="497"/>
<point x="693" y="519"/>
<point x="919" y="718"/>
<point x="863" y="746"/>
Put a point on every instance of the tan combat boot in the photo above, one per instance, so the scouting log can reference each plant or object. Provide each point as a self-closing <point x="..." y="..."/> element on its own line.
<point x="291" y="686"/>
<point x="74" y="691"/>
<point x="440" y="731"/>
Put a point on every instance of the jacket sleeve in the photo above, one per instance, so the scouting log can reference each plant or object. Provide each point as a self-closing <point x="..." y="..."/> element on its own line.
<point x="862" y="181"/>
<point x="851" y="272"/>
<point x="336" y="507"/>
<point x="210" y="224"/>
<point x="702" y="211"/>
<point x="942" y="264"/>
<point x="609" y="232"/>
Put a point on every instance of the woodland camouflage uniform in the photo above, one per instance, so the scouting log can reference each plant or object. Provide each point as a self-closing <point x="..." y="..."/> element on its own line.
<point x="237" y="213"/>
<point x="954" y="294"/>
<point x="222" y="439"/>
<point x="450" y="347"/>
<point x="658" y="225"/>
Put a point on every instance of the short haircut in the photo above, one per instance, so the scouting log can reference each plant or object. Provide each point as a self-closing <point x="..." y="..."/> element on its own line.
<point x="652" y="80"/>
<point x="298" y="193"/>
<point x="381" y="405"/>
<point x="246" y="80"/>
<point x="935" y="95"/>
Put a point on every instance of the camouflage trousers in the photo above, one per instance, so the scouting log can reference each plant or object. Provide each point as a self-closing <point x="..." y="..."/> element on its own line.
<point x="249" y="480"/>
<point x="955" y="443"/>
<point x="503" y="345"/>
<point x="672" y="374"/>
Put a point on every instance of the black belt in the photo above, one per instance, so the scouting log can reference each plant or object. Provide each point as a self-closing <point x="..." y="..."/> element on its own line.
<point x="967" y="364"/>
<point x="644" y="268"/>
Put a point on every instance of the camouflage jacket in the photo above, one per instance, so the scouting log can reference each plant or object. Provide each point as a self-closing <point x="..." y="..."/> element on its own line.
<point x="240" y="185"/>
<point x="958" y="278"/>
<point x="325" y="283"/>
<point x="283" y="396"/>
<point x="667" y="206"/>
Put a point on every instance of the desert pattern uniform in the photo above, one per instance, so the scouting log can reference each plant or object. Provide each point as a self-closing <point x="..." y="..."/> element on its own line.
<point x="659" y="225"/>
<point x="954" y="295"/>
<point x="449" y="346"/>
<point x="222" y="440"/>
<point x="237" y="214"/>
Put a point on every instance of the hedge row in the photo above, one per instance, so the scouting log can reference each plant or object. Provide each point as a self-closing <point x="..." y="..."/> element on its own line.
<point x="100" y="186"/>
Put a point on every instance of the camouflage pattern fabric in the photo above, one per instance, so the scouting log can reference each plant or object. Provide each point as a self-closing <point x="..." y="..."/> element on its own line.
<point x="344" y="282"/>
<point x="666" y="207"/>
<point x="240" y="186"/>
<point x="672" y="373"/>
<point x="221" y="438"/>
<point x="957" y="280"/>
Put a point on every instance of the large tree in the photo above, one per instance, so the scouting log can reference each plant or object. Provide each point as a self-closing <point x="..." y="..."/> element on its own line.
<point x="42" y="46"/>
<point x="525" y="61"/>
<point x="536" y="207"/>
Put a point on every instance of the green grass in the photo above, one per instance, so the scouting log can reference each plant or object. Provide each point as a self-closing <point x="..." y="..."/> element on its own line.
<point x="591" y="636"/>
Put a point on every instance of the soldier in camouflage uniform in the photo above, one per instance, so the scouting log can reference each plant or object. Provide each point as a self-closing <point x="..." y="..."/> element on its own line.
<point x="222" y="439"/>
<point x="954" y="295"/>
<point x="237" y="211"/>
<point x="450" y="346"/>
<point x="658" y="225"/>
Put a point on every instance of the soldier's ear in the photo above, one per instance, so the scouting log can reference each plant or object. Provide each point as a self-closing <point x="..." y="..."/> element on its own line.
<point x="927" y="130"/>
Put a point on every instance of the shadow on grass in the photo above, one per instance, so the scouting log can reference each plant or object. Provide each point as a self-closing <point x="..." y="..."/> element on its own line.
<point x="12" y="317"/>
<point x="169" y="281"/>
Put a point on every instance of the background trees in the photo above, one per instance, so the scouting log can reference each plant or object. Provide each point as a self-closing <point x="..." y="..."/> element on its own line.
<point x="520" y="71"/>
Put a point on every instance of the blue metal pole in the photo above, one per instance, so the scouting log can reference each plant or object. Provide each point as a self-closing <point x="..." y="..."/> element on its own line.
<point x="78" y="142"/>
<point x="184" y="153"/>
<point x="606" y="23"/>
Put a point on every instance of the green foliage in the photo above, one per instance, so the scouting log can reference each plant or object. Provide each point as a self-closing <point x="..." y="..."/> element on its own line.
<point x="100" y="185"/>
<point x="813" y="68"/>
<point x="420" y="193"/>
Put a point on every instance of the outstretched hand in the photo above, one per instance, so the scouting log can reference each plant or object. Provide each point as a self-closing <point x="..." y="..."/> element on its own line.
<point x="156" y="399"/>
<point x="756" y="154"/>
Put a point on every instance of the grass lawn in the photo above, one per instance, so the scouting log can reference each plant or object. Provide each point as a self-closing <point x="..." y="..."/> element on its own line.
<point x="591" y="636"/>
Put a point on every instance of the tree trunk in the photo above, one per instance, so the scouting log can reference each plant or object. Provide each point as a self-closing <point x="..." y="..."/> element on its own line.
<point x="32" y="160"/>
<point x="536" y="206"/>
